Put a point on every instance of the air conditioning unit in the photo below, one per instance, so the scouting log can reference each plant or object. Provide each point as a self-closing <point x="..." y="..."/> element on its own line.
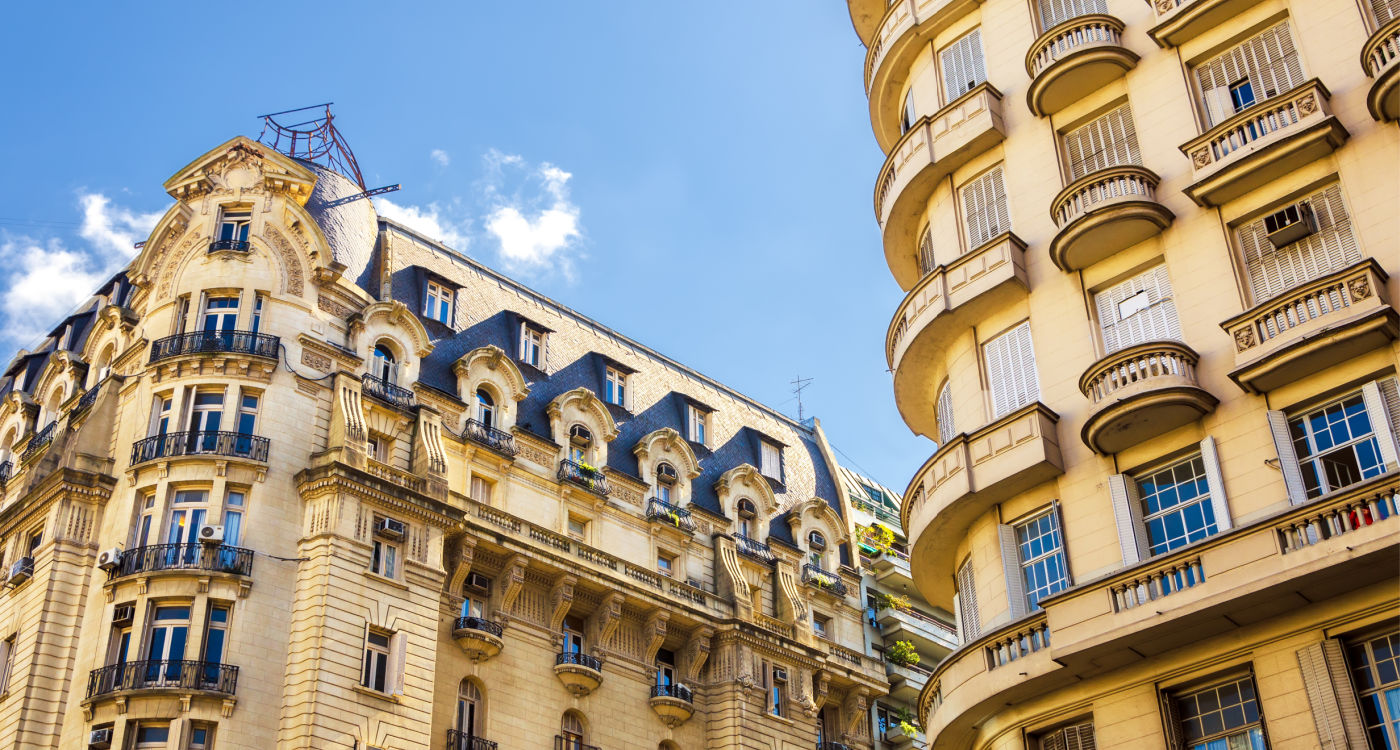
<point x="123" y="615"/>
<point x="21" y="571"/>
<point x="478" y="582"/>
<point x="100" y="738"/>
<point x="779" y="673"/>
<point x="1290" y="225"/>
<point x="388" y="527"/>
<point x="666" y="473"/>
<point x="108" y="559"/>
<point x="211" y="534"/>
<point x="580" y="434"/>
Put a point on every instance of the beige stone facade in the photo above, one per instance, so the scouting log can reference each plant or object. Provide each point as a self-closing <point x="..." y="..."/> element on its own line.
<point x="1149" y="255"/>
<point x="300" y="478"/>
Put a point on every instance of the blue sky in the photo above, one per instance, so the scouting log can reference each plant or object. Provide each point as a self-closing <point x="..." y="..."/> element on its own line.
<point x="697" y="176"/>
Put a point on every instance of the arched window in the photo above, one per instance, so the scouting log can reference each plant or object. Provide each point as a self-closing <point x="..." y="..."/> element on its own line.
<point x="665" y="481"/>
<point x="945" y="415"/>
<point x="471" y="708"/>
<point x="386" y="366"/>
<point x="572" y="731"/>
<point x="485" y="408"/>
<point x="748" y="516"/>
<point x="103" y="367"/>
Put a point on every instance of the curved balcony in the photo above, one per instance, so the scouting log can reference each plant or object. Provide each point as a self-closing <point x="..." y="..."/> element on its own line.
<point x="928" y="153"/>
<point x="459" y="740"/>
<point x="584" y="476"/>
<point x="671" y="515"/>
<point x="1075" y="59"/>
<point x="945" y="303"/>
<point x="200" y="443"/>
<point x="580" y="673"/>
<point x="236" y="246"/>
<point x="1380" y="58"/>
<point x="903" y="32"/>
<point x="823" y="580"/>
<point x="216" y="342"/>
<point x="1180" y="21"/>
<point x="753" y="548"/>
<point x="393" y="395"/>
<point x="499" y="441"/>
<point x="38" y="442"/>
<point x="1141" y="392"/>
<point x="1262" y="143"/>
<point x="182" y="676"/>
<point x="479" y="638"/>
<point x="866" y="16"/>
<point x="192" y="556"/>
<point x="1103" y="213"/>
<point x="672" y="704"/>
<point x="1328" y="320"/>
<point x="967" y="477"/>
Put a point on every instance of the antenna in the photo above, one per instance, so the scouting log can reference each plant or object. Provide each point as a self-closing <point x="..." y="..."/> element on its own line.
<point x="798" y="385"/>
<point x="316" y="140"/>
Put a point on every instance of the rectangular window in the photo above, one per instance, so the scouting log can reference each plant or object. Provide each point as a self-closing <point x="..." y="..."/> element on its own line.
<point x="1108" y="141"/>
<point x="481" y="490"/>
<point x="438" y="304"/>
<point x="665" y="564"/>
<point x="1078" y="736"/>
<point x="160" y="414"/>
<point x="614" y="388"/>
<point x="821" y="625"/>
<point x="578" y="528"/>
<point x="696" y="424"/>
<point x="247" y="413"/>
<point x="1011" y="374"/>
<point x="384" y="558"/>
<point x="234" y="504"/>
<point x="1336" y="445"/>
<point x="777" y="692"/>
<point x="963" y="67"/>
<point x="151" y="736"/>
<point x="375" y="671"/>
<point x="1259" y="68"/>
<point x="220" y="315"/>
<point x="36" y="538"/>
<point x="573" y="635"/>
<point x="201" y="737"/>
<point x="1375" y="673"/>
<point x="531" y="345"/>
<point x="257" y="313"/>
<point x="1176" y="505"/>
<point x="985" y="214"/>
<point x="233" y="225"/>
<point x="1330" y="246"/>
<point x="771" y="460"/>
<point x="207" y="413"/>
<point x="1137" y="310"/>
<point x="7" y="663"/>
<point x="378" y="447"/>
<point x="1042" y="557"/>
<point x="1222" y="716"/>
<point x="1055" y="12"/>
<point x="166" y="637"/>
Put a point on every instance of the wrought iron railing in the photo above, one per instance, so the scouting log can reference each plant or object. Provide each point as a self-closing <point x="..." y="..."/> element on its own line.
<point x="6" y="469"/>
<point x="39" y="442"/>
<point x="832" y="746"/>
<point x="163" y="674"/>
<point x="196" y="443"/>
<point x="571" y="743"/>
<point x="212" y="342"/>
<point x="823" y="579"/>
<point x="478" y="623"/>
<point x="241" y="246"/>
<point x="387" y="392"/>
<point x="660" y="510"/>
<point x="459" y="740"/>
<point x="753" y="548"/>
<point x="218" y="558"/>
<point x="579" y="659"/>
<point x="497" y="440"/>
<point x="87" y="399"/>
<point x="674" y="690"/>
<point x="587" y="477"/>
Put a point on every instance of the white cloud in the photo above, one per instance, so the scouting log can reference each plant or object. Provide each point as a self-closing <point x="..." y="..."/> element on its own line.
<point x="441" y="157"/>
<point x="538" y="232"/>
<point x="431" y="221"/>
<point x="112" y="230"/>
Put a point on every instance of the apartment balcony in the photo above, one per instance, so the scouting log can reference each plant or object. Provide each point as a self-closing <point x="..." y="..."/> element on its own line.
<point x="906" y="681"/>
<point x="568" y="743"/>
<point x="930" y="637"/>
<point x="892" y="569"/>
<point x="1075" y="59"/>
<point x="833" y="746"/>
<point x="193" y="557"/>
<point x="931" y="150"/>
<point x="905" y="29"/>
<point x="1311" y="327"/>
<point x="200" y="443"/>
<point x="580" y="673"/>
<point x="38" y="442"/>
<point x="383" y="390"/>
<point x="234" y="246"/>
<point x="160" y="676"/>
<point x="478" y="637"/>
<point x="946" y="302"/>
<point x="499" y="441"/>
<point x="584" y="476"/>
<point x="1380" y="58"/>
<point x="896" y="738"/>
<point x="824" y="581"/>
<point x="6" y="470"/>
<point x="1103" y="213"/>
<point x="967" y="477"/>
<point x="672" y="704"/>
<point x="753" y="548"/>
<point x="1263" y="143"/>
<point x="1180" y="21"/>
<point x="244" y="343"/>
<point x="1141" y="392"/>
<point x="459" y="740"/>
<point x="672" y="515"/>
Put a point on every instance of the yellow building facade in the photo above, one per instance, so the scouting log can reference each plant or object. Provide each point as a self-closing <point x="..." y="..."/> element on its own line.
<point x="1148" y="251"/>
<point x="301" y="478"/>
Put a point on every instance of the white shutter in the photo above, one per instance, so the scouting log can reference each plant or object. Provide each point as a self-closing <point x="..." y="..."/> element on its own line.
<point x="1127" y="517"/>
<point x="963" y="68"/>
<point x="967" y="597"/>
<point x="1269" y="60"/>
<point x="1331" y="696"/>
<point x="1377" y="410"/>
<point x="1056" y="12"/>
<point x="1390" y="390"/>
<point x="1011" y="567"/>
<point x="398" y="649"/>
<point x="1108" y="141"/>
<point x="1215" y="482"/>
<point x="985" y="214"/>
<point x="1011" y="370"/>
<point x="927" y="261"/>
<point x="957" y="616"/>
<point x="1155" y="322"/>
<point x="1385" y="10"/>
<point x="1273" y="271"/>
<point x="946" y="428"/>
<point x="1287" y="458"/>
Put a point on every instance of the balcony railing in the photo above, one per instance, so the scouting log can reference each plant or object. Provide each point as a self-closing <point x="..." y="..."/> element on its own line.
<point x="578" y="659"/>
<point x="832" y="746"/>
<point x="478" y="623"/>
<point x="241" y="246"/>
<point x="753" y="548"/>
<point x="6" y="469"/>
<point x="1166" y="362"/>
<point x="1154" y="583"/>
<point x="823" y="579"/>
<point x="586" y="477"/>
<point x="87" y="400"/>
<point x="217" y="558"/>
<point x="1071" y="36"/>
<point x="39" y="442"/>
<point x="497" y="440"/>
<point x="1331" y="520"/>
<point x="163" y="674"/>
<point x="569" y="743"/>
<point x="674" y="690"/>
<point x="216" y="342"/>
<point x="660" y="510"/>
<point x="459" y="740"/>
<point x="387" y="392"/>
<point x="1017" y="644"/>
<point x="200" y="443"/>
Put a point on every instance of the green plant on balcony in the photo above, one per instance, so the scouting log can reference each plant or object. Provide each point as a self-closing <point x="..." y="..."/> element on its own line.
<point x="587" y="468"/>
<point x="905" y="721"/>
<point x="877" y="537"/>
<point x="890" y="601"/>
<point x="902" y="653"/>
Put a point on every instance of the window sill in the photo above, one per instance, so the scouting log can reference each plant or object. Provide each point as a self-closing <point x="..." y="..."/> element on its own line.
<point x="373" y="576"/>
<point x="362" y="690"/>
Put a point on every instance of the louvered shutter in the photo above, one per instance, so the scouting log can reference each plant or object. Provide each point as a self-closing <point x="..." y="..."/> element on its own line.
<point x="1331" y="696"/>
<point x="927" y="261"/>
<point x="1080" y="737"/>
<point x="946" y="429"/>
<point x="1064" y="545"/>
<point x="1385" y="10"/>
<point x="1171" y="722"/>
<point x="1376" y="409"/>
<point x="1273" y="271"/>
<point x="1287" y="458"/>
<point x="1108" y="141"/>
<point x="969" y="620"/>
<point x="1127" y="518"/>
<point x="957" y="617"/>
<point x="1269" y="60"/>
<point x="1011" y="370"/>
<point x="1053" y="740"/>
<point x="1157" y="322"/>
<point x="963" y="67"/>
<point x="1056" y="12"/>
<point x="1215" y="482"/>
<point x="1390" y="391"/>
<point x="985" y="214"/>
<point x="1011" y="567"/>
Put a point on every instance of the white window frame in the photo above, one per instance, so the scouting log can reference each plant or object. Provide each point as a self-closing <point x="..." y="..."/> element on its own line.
<point x="770" y="460"/>
<point x="438" y="302"/>
<point x="615" y="386"/>
<point x="532" y="344"/>
<point x="697" y="424"/>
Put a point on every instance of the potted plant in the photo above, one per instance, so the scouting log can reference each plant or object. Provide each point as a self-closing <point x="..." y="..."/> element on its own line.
<point x="905" y="722"/>
<point x="890" y="601"/>
<point x="902" y="653"/>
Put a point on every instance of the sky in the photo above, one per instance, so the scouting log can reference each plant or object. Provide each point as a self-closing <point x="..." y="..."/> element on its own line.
<point x="697" y="176"/>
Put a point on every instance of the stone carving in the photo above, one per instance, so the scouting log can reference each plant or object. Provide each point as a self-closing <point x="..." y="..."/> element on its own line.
<point x="1244" y="338"/>
<point x="561" y="597"/>
<point x="1200" y="157"/>
<point x="1359" y="288"/>
<point x="1307" y="105"/>
<point x="295" y="281"/>
<point x="512" y="581"/>
<point x="853" y="712"/>
<point x="315" y="361"/>
<point x="458" y="559"/>
<point x="654" y="634"/>
<point x="326" y="304"/>
<point x="605" y="622"/>
<point x="695" y="652"/>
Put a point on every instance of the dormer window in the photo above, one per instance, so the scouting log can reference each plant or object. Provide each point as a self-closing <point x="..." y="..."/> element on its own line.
<point x="697" y="424"/>
<point x="748" y="517"/>
<point x="485" y="408"/>
<point x="385" y="365"/>
<point x="531" y="345"/>
<point x="580" y="439"/>
<point x="615" y="387"/>
<point x="665" y="481"/>
<point x="771" y="460"/>
<point x="438" y="303"/>
<point x="233" y="229"/>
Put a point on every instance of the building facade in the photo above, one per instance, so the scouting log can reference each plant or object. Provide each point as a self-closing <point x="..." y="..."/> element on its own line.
<point x="1148" y="251"/>
<point x="300" y="478"/>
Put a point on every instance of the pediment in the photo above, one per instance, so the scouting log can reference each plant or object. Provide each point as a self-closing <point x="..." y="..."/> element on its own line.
<point x="242" y="164"/>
